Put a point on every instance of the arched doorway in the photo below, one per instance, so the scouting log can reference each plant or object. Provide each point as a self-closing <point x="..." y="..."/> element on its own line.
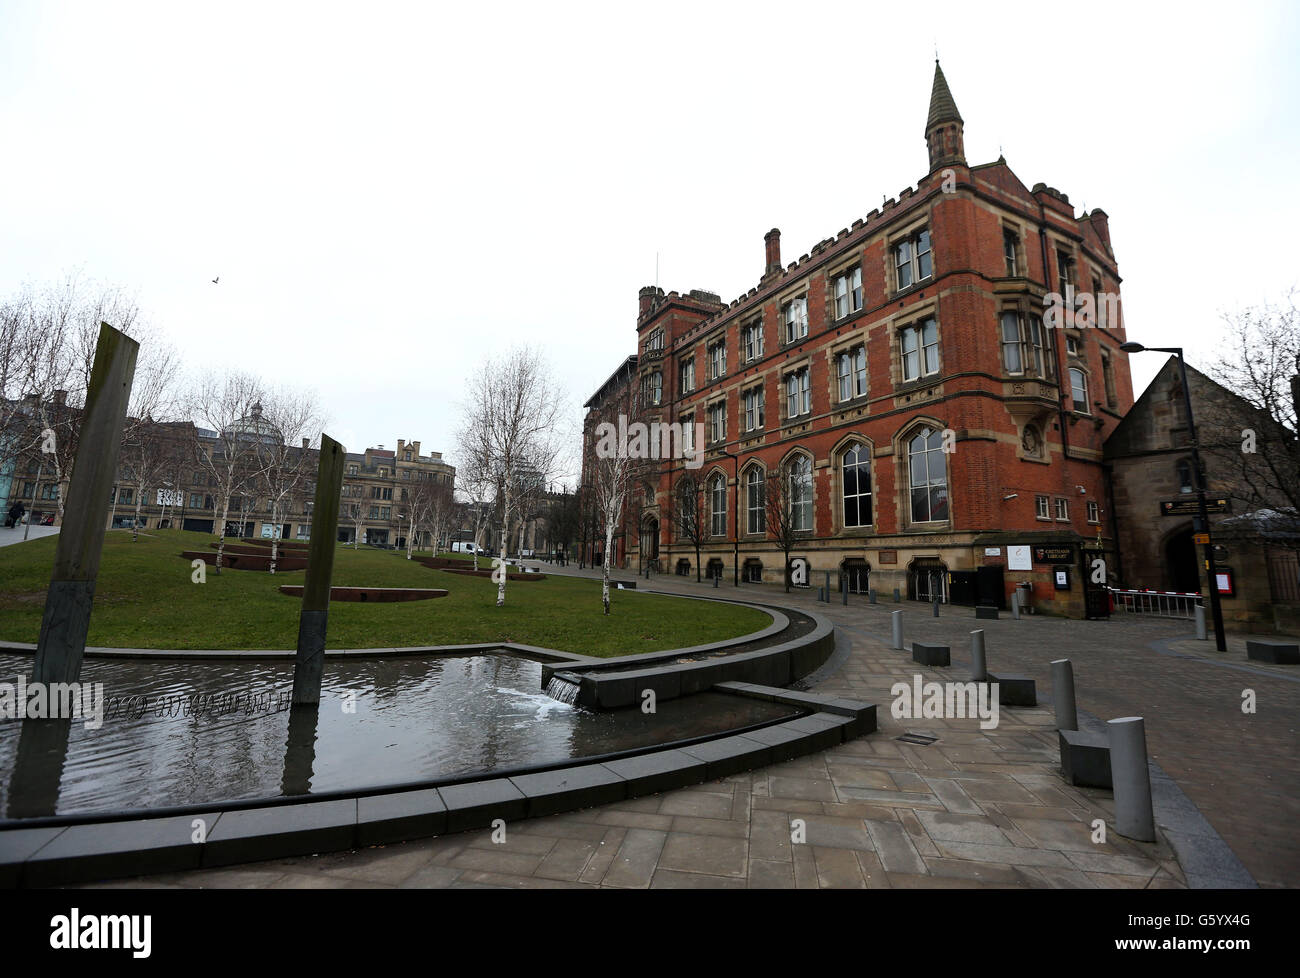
<point x="1182" y="572"/>
<point x="927" y="580"/>
<point x="650" y="540"/>
<point x="857" y="573"/>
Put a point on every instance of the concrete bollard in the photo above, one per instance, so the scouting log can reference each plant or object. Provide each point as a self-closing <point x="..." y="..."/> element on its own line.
<point x="1067" y="716"/>
<point x="871" y="595"/>
<point x="936" y="607"/>
<point x="1131" y="779"/>
<point x="896" y="623"/>
<point x="1200" y="622"/>
<point x="979" y="670"/>
<point x="1015" y="604"/>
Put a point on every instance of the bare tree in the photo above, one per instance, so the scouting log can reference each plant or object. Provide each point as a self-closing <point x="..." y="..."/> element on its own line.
<point x="690" y="515"/>
<point x="474" y="476"/>
<point x="284" y="461"/>
<point x="615" y="473"/>
<point x="354" y="510"/>
<point x="230" y="406"/>
<point x="780" y="510"/>
<point x="511" y="420"/>
<point x="149" y="436"/>
<point x="1250" y="431"/>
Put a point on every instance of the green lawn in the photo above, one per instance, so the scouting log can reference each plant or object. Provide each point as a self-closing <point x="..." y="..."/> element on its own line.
<point x="145" y="599"/>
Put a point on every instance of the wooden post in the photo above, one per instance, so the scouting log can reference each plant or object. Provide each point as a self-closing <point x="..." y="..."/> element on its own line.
<point x="66" y="620"/>
<point x="310" y="662"/>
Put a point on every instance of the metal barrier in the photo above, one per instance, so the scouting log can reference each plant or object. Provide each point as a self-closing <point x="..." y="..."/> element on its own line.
<point x="1157" y="604"/>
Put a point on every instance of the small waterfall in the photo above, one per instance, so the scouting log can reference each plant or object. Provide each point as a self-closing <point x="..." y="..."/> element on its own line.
<point x="564" y="690"/>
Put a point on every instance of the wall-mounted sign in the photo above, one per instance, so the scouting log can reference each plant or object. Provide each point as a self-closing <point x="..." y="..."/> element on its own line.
<point x="1053" y="555"/>
<point x="888" y="556"/>
<point x="1019" y="558"/>
<point x="1061" y="577"/>
<point x="992" y="551"/>
<point x="1200" y="539"/>
<point x="1187" y="506"/>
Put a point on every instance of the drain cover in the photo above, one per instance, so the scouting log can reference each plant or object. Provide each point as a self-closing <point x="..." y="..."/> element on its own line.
<point x="923" y="740"/>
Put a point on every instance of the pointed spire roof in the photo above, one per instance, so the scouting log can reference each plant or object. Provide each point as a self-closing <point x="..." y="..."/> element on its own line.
<point x="942" y="106"/>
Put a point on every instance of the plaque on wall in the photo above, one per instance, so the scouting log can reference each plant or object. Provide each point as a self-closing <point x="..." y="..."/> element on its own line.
<point x="888" y="556"/>
<point x="1053" y="555"/>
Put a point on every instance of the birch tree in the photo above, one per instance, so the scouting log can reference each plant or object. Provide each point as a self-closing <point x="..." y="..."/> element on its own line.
<point x="284" y="459"/>
<point x="614" y="471"/>
<point x="222" y="403"/>
<point x="511" y="421"/>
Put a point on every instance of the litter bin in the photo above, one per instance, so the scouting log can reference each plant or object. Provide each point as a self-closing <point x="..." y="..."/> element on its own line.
<point x="1025" y="590"/>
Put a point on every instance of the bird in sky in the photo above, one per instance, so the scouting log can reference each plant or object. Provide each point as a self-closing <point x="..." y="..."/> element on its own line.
<point x="216" y="280"/>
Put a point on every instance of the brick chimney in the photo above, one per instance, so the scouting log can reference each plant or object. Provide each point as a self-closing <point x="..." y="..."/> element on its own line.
<point x="60" y="398"/>
<point x="401" y="443"/>
<point x="415" y="448"/>
<point x="772" y="241"/>
<point x="306" y="443"/>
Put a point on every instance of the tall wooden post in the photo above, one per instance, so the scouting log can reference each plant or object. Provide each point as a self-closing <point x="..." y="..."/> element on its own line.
<point x="310" y="662"/>
<point x="66" y="620"/>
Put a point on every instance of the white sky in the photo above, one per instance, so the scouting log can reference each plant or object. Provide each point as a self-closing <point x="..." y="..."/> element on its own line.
<point x="390" y="193"/>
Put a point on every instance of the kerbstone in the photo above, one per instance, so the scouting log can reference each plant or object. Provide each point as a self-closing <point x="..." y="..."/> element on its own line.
<point x="18" y="845"/>
<point x="476" y="803"/>
<point x="396" y="817"/>
<point x="550" y="792"/>
<point x="661" y="771"/>
<point x="730" y="755"/>
<point x="277" y="831"/>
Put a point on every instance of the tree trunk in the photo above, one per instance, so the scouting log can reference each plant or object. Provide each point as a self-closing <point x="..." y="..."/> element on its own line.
<point x="604" y="567"/>
<point x="505" y="542"/>
<point x="221" y="538"/>
<point x="275" y="534"/>
<point x="135" y="524"/>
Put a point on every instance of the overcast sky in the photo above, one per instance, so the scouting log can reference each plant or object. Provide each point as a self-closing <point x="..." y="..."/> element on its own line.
<point x="392" y="192"/>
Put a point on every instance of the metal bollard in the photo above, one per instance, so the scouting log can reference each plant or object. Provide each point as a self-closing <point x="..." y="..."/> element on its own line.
<point x="1015" y="604"/>
<point x="1067" y="716"/>
<point x="1131" y="778"/>
<point x="896" y="622"/>
<point x="871" y="595"/>
<point x="979" y="671"/>
<point x="1200" y="622"/>
<point x="844" y="589"/>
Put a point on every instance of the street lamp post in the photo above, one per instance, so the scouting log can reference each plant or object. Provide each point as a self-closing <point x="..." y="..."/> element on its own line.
<point x="735" y="519"/>
<point x="1216" y="609"/>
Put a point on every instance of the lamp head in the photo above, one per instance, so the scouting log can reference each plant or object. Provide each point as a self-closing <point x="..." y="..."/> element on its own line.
<point x="1132" y="347"/>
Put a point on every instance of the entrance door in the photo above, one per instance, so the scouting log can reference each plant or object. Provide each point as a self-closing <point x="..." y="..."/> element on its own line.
<point x="926" y="580"/>
<point x="1182" y="572"/>
<point x="1096" y="594"/>
<point x="990" y="587"/>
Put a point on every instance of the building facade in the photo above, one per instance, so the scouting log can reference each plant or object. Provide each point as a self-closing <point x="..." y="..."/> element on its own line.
<point x="938" y="412"/>
<point x="1152" y="470"/>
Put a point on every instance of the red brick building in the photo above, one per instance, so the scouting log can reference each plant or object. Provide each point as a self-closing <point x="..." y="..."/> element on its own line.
<point x="906" y="376"/>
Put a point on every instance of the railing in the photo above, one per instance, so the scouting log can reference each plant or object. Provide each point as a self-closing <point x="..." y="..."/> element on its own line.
<point x="1157" y="604"/>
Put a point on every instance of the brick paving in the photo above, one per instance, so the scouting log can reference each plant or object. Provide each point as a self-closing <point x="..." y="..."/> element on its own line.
<point x="977" y="808"/>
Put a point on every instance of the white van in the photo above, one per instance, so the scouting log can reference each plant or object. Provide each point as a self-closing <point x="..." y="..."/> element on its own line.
<point x="463" y="547"/>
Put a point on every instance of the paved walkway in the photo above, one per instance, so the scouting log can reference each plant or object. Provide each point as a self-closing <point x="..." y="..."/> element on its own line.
<point x="975" y="808"/>
<point x="14" y="534"/>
